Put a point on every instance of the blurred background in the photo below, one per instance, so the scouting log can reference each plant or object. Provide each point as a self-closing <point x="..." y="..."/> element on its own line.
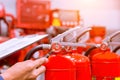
<point x="31" y="16"/>
<point x="54" y="17"/>
<point x="39" y="15"/>
<point x="93" y="12"/>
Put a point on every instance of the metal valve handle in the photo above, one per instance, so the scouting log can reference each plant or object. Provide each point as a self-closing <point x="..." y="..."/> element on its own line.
<point x="77" y="32"/>
<point x="59" y="37"/>
<point x="108" y="41"/>
<point x="114" y="35"/>
<point x="65" y="39"/>
<point x="110" y="37"/>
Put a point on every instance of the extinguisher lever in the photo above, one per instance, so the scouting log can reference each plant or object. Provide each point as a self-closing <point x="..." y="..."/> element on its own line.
<point x="114" y="35"/>
<point x="108" y="41"/>
<point x="70" y="38"/>
<point x="71" y="35"/>
<point x="110" y="37"/>
<point x="33" y="50"/>
<point x="76" y="44"/>
<point x="83" y="32"/>
<point x="60" y="37"/>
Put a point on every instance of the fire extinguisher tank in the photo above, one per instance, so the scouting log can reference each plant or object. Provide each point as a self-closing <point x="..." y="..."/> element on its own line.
<point x="60" y="68"/>
<point x="83" y="71"/>
<point x="106" y="64"/>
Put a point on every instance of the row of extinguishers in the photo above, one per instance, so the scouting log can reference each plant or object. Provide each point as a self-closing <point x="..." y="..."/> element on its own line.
<point x="66" y="61"/>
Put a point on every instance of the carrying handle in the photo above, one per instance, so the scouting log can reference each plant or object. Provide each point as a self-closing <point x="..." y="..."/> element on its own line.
<point x="110" y="37"/>
<point x="114" y="35"/>
<point x="83" y="33"/>
<point x="108" y="40"/>
<point x="39" y="47"/>
<point x="60" y="37"/>
<point x="77" y="31"/>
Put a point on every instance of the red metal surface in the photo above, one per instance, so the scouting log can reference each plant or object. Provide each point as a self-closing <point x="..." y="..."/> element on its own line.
<point x="93" y="52"/>
<point x="98" y="31"/>
<point x="60" y="68"/>
<point x="83" y="71"/>
<point x="2" y="11"/>
<point x="97" y="34"/>
<point x="106" y="64"/>
<point x="82" y="63"/>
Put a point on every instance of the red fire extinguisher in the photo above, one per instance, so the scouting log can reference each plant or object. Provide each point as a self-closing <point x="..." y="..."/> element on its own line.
<point x="82" y="63"/>
<point x="105" y="64"/>
<point x="83" y="70"/>
<point x="58" y="67"/>
<point x="65" y="66"/>
<point x="103" y="46"/>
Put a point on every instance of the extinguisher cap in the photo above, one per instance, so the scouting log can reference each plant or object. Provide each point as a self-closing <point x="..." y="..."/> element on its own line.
<point x="58" y="62"/>
<point x="80" y="58"/>
<point x="106" y="57"/>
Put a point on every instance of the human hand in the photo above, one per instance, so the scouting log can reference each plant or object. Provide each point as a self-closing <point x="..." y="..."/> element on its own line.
<point x="27" y="70"/>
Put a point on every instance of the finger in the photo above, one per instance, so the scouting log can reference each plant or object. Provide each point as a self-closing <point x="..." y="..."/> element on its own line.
<point x="39" y="62"/>
<point x="38" y="71"/>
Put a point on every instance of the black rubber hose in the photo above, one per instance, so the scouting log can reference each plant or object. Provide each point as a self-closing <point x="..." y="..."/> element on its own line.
<point x="32" y="51"/>
<point x="89" y="50"/>
<point x="116" y="49"/>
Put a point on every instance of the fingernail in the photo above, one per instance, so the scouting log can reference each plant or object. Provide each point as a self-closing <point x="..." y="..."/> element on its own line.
<point x="45" y="59"/>
<point x="43" y="67"/>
